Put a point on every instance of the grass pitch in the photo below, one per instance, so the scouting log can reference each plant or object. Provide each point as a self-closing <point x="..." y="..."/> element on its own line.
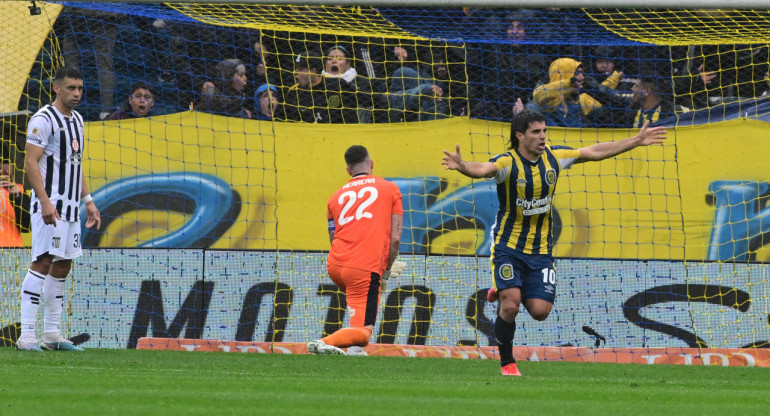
<point x="120" y="382"/>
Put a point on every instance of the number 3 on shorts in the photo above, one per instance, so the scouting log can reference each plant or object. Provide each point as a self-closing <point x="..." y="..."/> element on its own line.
<point x="549" y="276"/>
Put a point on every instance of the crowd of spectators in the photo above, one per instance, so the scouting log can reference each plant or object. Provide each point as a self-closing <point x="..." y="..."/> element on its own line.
<point x="334" y="79"/>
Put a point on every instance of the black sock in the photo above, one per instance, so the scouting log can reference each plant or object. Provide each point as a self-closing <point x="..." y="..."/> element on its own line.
<point x="504" y="332"/>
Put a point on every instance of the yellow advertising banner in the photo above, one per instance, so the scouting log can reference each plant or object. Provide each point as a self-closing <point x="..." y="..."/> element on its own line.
<point x="21" y="38"/>
<point x="197" y="180"/>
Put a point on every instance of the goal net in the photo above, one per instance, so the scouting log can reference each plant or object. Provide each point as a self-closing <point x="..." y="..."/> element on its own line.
<point x="216" y="134"/>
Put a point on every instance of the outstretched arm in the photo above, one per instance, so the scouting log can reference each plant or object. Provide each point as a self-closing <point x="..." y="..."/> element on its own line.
<point x="454" y="161"/>
<point x="601" y="151"/>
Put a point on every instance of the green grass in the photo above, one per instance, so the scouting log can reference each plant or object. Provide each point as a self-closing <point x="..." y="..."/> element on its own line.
<point x="120" y="382"/>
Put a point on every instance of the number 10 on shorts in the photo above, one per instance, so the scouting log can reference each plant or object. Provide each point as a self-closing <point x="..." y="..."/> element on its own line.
<point x="549" y="276"/>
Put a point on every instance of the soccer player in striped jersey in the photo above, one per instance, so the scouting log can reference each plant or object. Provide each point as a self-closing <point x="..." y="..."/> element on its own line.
<point x="53" y="165"/>
<point x="365" y="218"/>
<point x="526" y="176"/>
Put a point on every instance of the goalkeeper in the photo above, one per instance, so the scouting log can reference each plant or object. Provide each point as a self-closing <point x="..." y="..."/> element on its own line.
<point x="365" y="218"/>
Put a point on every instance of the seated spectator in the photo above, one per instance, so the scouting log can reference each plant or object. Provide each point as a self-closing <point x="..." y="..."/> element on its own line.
<point x="227" y="96"/>
<point x="568" y="97"/>
<point x="306" y="99"/>
<point x="14" y="204"/>
<point x="415" y="95"/>
<point x="268" y="105"/>
<point x="139" y="103"/>
<point x="349" y="96"/>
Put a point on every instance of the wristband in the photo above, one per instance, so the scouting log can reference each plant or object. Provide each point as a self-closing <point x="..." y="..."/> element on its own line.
<point x="86" y="199"/>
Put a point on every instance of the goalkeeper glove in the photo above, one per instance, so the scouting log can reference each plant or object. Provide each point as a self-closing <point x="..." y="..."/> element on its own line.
<point x="395" y="270"/>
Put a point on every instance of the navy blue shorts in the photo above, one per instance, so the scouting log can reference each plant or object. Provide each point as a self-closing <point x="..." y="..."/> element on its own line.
<point x="533" y="273"/>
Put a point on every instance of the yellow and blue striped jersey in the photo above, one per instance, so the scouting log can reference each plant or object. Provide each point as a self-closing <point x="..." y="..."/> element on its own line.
<point x="525" y="190"/>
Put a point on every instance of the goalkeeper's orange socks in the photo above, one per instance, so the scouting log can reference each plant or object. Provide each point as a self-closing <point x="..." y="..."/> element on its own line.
<point x="347" y="337"/>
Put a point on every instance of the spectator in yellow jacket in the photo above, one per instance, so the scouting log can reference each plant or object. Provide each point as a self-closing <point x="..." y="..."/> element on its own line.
<point x="570" y="96"/>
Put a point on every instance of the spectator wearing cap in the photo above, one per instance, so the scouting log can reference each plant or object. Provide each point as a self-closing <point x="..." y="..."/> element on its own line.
<point x="268" y="104"/>
<point x="139" y="103"/>
<point x="306" y="100"/>
<point x="349" y="95"/>
<point x="226" y="96"/>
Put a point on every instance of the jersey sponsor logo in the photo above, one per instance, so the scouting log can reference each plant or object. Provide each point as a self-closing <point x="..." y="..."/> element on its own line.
<point x="33" y="138"/>
<point x="550" y="177"/>
<point x="534" y="206"/>
<point x="521" y="181"/>
<point x="331" y="225"/>
<point x="533" y="203"/>
<point x="536" y="211"/>
<point x="506" y="271"/>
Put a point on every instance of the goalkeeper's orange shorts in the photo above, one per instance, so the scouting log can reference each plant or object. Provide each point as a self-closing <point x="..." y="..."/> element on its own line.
<point x="362" y="290"/>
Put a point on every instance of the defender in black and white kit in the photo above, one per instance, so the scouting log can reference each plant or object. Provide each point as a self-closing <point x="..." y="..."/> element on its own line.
<point x="55" y="145"/>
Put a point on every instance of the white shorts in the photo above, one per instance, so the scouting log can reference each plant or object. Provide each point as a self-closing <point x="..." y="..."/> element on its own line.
<point x="62" y="241"/>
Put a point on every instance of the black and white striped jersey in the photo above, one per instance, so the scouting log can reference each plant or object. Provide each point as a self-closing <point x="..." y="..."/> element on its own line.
<point x="62" y="139"/>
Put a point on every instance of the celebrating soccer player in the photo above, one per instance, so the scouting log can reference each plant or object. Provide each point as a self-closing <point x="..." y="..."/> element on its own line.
<point x="53" y="164"/>
<point x="526" y="176"/>
<point x="365" y="219"/>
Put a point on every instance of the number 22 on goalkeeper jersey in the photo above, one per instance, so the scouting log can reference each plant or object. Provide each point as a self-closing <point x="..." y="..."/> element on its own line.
<point x="359" y="214"/>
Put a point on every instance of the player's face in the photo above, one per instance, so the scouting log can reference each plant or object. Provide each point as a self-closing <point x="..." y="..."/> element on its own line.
<point x="69" y="91"/>
<point x="532" y="142"/>
<point x="141" y="102"/>
<point x="337" y="62"/>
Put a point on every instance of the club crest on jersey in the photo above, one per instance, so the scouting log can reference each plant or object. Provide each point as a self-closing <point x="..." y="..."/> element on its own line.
<point x="550" y="177"/>
<point x="506" y="272"/>
<point x="75" y="145"/>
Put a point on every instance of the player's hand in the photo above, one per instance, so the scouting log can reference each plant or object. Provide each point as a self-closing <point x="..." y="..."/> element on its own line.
<point x="452" y="160"/>
<point x="395" y="270"/>
<point x="50" y="215"/>
<point x="94" y="218"/>
<point x="651" y="135"/>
